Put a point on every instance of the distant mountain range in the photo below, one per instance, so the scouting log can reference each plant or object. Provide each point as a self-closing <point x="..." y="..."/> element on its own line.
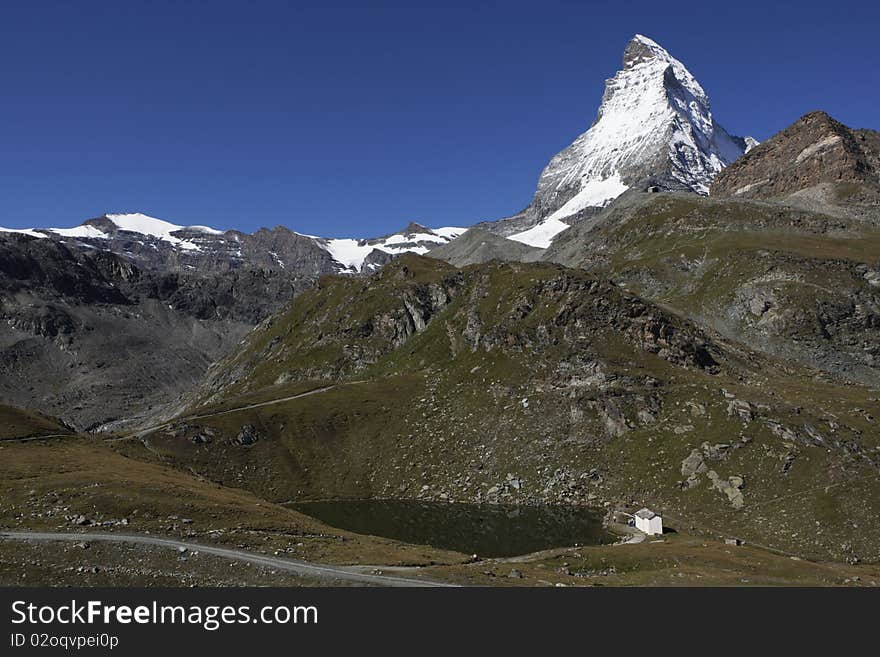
<point x="157" y="244"/>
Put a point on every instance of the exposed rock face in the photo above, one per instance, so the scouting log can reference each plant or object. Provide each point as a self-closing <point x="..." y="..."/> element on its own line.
<point x="814" y="150"/>
<point x="91" y="338"/>
<point x="247" y="436"/>
<point x="731" y="487"/>
<point x="654" y="129"/>
<point x="371" y="318"/>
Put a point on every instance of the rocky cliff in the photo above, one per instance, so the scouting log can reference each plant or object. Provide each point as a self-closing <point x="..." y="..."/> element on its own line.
<point x="816" y="162"/>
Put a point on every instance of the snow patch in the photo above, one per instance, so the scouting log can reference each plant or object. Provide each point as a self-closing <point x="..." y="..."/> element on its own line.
<point x="449" y="232"/>
<point x="351" y="253"/>
<point x="80" y="231"/>
<point x="23" y="231"/>
<point x="541" y="235"/>
<point x="145" y="225"/>
<point x="594" y="193"/>
<point x="348" y="252"/>
<point x="409" y="238"/>
<point x="205" y="229"/>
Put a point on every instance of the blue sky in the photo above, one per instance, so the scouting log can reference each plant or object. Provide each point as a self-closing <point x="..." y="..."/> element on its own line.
<point x="351" y="119"/>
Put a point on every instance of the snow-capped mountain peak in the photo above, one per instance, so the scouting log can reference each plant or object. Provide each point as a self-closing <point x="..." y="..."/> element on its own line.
<point x="641" y="50"/>
<point x="141" y="223"/>
<point x="654" y="122"/>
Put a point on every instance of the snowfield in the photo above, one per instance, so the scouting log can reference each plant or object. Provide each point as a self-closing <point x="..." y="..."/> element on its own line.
<point x="351" y="253"/>
<point x="594" y="193"/>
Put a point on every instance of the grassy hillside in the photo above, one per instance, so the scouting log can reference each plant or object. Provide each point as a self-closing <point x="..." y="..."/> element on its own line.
<point x="21" y="423"/>
<point x="536" y="384"/>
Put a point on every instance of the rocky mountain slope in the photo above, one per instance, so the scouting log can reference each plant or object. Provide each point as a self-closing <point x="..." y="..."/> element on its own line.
<point x="817" y="163"/>
<point x="87" y="336"/>
<point x="798" y="284"/>
<point x="782" y="255"/>
<point x="813" y="150"/>
<point x="654" y="129"/>
<point x="477" y="246"/>
<point x="788" y="264"/>
<point x="533" y="383"/>
<point x="116" y="318"/>
<point x="158" y="245"/>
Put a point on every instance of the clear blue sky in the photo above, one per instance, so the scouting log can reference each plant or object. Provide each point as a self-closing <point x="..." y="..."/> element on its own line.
<point x="354" y="118"/>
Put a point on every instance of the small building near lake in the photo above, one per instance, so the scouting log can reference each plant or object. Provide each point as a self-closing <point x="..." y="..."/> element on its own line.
<point x="648" y="522"/>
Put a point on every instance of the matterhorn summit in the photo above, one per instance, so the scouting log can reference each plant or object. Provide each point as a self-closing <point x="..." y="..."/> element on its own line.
<point x="654" y="128"/>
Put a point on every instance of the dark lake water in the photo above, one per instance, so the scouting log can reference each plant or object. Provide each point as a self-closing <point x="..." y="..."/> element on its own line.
<point x="484" y="529"/>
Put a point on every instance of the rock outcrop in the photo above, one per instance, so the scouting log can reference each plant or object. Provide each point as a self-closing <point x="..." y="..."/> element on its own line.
<point x="815" y="150"/>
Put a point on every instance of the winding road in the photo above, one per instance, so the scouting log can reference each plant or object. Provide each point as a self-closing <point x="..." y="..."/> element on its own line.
<point x="338" y="573"/>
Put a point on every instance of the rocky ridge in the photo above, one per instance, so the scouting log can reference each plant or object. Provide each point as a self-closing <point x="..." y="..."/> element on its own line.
<point x="817" y="163"/>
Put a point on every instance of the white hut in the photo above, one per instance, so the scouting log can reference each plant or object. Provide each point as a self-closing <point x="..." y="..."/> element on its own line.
<point x="648" y="522"/>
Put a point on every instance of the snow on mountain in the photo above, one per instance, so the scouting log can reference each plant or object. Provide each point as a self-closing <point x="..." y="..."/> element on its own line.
<point x="77" y="231"/>
<point x="349" y="254"/>
<point x="85" y="230"/>
<point x="540" y="235"/>
<point x="133" y="223"/>
<point x="449" y="232"/>
<point x="352" y="253"/>
<point x="22" y="231"/>
<point x="593" y="193"/>
<point x="654" y="122"/>
<point x="163" y="230"/>
<point x="141" y="223"/>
